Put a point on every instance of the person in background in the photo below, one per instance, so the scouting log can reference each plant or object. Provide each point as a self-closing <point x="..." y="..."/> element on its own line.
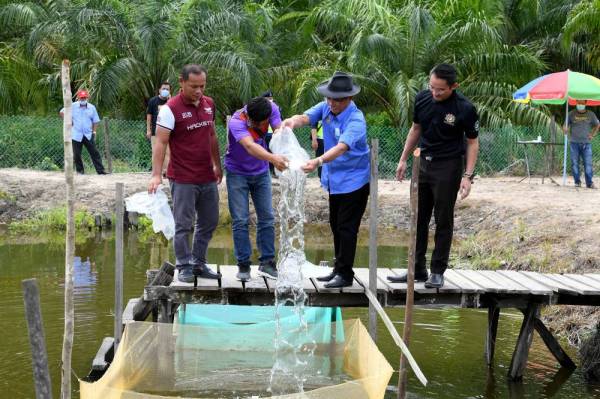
<point x="247" y="165"/>
<point x="316" y="135"/>
<point x="583" y="126"/>
<point x="276" y="113"/>
<point x="186" y="123"/>
<point x="346" y="168"/>
<point x="85" y="121"/>
<point x="154" y="105"/>
<point x="446" y="128"/>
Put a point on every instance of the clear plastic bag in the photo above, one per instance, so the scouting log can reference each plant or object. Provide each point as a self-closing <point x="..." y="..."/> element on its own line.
<point x="285" y="143"/>
<point x="156" y="207"/>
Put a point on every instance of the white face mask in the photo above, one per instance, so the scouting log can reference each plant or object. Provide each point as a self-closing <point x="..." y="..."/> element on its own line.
<point x="580" y="107"/>
<point x="82" y="102"/>
<point x="164" y="93"/>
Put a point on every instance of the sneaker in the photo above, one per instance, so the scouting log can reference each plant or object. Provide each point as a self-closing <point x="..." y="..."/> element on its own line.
<point x="243" y="273"/>
<point x="592" y="186"/>
<point x="185" y="275"/>
<point x="203" y="271"/>
<point x="268" y="270"/>
<point x="578" y="184"/>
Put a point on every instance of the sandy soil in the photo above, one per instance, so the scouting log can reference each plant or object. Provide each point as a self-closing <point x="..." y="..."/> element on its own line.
<point x="516" y="224"/>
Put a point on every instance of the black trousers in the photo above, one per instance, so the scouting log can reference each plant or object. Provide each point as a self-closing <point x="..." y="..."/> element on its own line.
<point x="94" y="154"/>
<point x="439" y="182"/>
<point x="345" y="213"/>
<point x="318" y="152"/>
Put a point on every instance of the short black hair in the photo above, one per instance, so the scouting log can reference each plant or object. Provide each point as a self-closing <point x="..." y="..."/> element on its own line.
<point x="165" y="82"/>
<point x="446" y="72"/>
<point x="268" y="93"/>
<point x="195" y="69"/>
<point x="258" y="109"/>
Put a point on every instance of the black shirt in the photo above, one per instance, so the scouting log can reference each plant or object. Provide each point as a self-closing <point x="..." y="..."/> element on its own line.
<point x="154" y="105"/>
<point x="445" y="124"/>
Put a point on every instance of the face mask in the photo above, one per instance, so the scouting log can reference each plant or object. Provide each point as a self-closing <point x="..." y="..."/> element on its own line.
<point x="580" y="107"/>
<point x="82" y="102"/>
<point x="164" y="93"/>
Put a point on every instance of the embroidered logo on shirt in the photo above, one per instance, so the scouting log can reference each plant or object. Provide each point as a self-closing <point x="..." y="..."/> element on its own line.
<point x="199" y="125"/>
<point x="208" y="110"/>
<point x="450" y="119"/>
<point x="476" y="126"/>
<point x="185" y="115"/>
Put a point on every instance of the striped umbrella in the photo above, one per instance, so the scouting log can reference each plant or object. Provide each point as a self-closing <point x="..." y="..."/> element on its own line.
<point x="561" y="88"/>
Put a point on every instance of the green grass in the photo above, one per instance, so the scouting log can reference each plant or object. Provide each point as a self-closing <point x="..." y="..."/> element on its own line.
<point x="52" y="220"/>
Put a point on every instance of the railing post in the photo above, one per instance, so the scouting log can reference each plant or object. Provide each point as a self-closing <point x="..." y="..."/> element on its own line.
<point x="119" y="265"/>
<point x="373" y="236"/>
<point x="107" y="152"/>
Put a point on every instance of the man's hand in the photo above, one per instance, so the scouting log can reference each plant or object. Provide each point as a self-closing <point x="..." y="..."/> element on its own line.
<point x="155" y="181"/>
<point x="311" y="165"/>
<point x="314" y="144"/>
<point x="465" y="188"/>
<point x="219" y="173"/>
<point x="148" y="134"/>
<point x="289" y="122"/>
<point x="401" y="170"/>
<point x="280" y="162"/>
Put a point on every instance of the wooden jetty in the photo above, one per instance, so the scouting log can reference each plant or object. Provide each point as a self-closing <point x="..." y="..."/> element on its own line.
<point x="477" y="289"/>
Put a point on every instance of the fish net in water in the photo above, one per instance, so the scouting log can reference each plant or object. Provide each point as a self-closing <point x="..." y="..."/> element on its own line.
<point x="232" y="357"/>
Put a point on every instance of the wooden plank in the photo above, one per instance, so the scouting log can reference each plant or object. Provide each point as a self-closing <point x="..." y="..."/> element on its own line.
<point x="256" y="283"/>
<point x="557" y="286"/>
<point x="553" y="345"/>
<point x="363" y="274"/>
<point x="105" y="352"/>
<point x="490" y="285"/>
<point x="419" y="286"/>
<point x="393" y="288"/>
<point x="202" y="284"/>
<point x="581" y="288"/>
<point x="535" y="287"/>
<point x="467" y="286"/>
<point x="585" y="280"/>
<point x="492" y="330"/>
<point x="356" y="288"/>
<point x="228" y="280"/>
<point x="163" y="276"/>
<point x="128" y="312"/>
<point x="511" y="286"/>
<point x="521" y="353"/>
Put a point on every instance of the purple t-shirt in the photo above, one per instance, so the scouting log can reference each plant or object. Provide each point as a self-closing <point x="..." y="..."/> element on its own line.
<point x="237" y="159"/>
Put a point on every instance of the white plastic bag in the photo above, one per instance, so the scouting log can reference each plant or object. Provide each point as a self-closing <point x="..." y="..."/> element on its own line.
<point x="285" y="143"/>
<point x="156" y="207"/>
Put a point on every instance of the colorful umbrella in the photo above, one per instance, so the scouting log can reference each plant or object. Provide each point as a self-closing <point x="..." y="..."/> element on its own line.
<point x="561" y="88"/>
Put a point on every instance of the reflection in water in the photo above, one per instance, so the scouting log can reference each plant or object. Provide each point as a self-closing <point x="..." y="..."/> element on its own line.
<point x="447" y="343"/>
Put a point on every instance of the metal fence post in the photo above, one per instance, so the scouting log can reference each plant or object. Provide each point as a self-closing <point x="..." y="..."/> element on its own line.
<point x="373" y="236"/>
<point x="107" y="152"/>
<point x="119" y="265"/>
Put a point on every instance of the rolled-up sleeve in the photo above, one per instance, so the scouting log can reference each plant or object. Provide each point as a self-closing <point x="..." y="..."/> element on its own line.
<point x="95" y="116"/>
<point x="354" y="132"/>
<point x="315" y="114"/>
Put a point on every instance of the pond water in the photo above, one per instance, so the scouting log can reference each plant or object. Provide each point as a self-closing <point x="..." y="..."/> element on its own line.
<point x="447" y="343"/>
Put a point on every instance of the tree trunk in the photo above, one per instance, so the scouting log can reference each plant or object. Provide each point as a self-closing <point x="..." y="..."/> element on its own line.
<point x="70" y="239"/>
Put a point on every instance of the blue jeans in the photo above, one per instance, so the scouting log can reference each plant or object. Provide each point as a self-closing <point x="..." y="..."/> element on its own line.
<point x="584" y="151"/>
<point x="239" y="187"/>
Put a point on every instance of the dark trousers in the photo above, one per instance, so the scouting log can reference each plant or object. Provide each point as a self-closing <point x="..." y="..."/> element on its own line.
<point x="439" y="182"/>
<point x="94" y="154"/>
<point x="345" y="213"/>
<point x="320" y="151"/>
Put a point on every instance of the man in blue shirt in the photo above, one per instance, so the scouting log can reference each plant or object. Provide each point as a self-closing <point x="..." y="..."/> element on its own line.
<point x="346" y="168"/>
<point x="85" y="120"/>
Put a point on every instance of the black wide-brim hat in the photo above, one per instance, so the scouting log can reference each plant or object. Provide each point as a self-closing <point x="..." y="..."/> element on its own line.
<point x="339" y="86"/>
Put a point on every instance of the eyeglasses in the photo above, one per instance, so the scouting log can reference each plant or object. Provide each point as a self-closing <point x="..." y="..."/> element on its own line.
<point x="437" y="90"/>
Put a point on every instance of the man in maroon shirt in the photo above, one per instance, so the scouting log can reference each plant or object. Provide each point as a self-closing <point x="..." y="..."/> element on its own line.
<point x="187" y="124"/>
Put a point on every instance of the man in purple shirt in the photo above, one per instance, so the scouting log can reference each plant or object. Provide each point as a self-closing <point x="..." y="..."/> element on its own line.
<point x="247" y="167"/>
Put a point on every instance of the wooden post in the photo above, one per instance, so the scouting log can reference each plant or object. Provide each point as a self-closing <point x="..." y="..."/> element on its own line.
<point x="519" y="359"/>
<point x="490" y="339"/>
<point x="553" y="345"/>
<point x="164" y="276"/>
<point x="553" y="136"/>
<point x="107" y="152"/>
<point x="119" y="264"/>
<point x="39" y="356"/>
<point x="67" y="348"/>
<point x="410" y="287"/>
<point x="373" y="236"/>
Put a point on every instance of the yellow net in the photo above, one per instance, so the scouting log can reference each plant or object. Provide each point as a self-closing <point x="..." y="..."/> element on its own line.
<point x="156" y="360"/>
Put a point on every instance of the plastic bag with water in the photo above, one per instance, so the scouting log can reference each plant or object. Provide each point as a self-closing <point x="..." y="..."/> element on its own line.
<point x="285" y="143"/>
<point x="156" y="207"/>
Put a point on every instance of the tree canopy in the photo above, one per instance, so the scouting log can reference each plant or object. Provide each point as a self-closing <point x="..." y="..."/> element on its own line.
<point x="122" y="50"/>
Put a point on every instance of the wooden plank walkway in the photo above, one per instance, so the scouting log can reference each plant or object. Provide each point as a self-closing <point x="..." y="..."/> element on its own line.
<point x="462" y="288"/>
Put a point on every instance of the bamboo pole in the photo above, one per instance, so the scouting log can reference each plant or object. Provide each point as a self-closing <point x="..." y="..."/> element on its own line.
<point x="70" y="239"/>
<point x="119" y="265"/>
<point x="107" y="151"/>
<point x="373" y="237"/>
<point x="35" y="326"/>
<point x="410" y="289"/>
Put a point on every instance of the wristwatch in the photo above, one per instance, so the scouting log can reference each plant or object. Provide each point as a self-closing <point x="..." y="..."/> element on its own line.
<point x="469" y="176"/>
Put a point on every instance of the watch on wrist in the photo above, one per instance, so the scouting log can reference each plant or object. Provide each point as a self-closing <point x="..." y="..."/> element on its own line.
<point x="469" y="176"/>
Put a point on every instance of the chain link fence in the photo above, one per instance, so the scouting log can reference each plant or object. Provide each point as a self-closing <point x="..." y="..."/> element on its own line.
<point x="32" y="142"/>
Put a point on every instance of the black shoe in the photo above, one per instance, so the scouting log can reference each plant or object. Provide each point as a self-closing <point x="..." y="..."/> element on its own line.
<point x="436" y="280"/>
<point x="102" y="173"/>
<point x="328" y="277"/>
<point x="243" y="273"/>
<point x="338" y="282"/>
<point x="203" y="271"/>
<point x="185" y="275"/>
<point x="268" y="270"/>
<point x="403" y="277"/>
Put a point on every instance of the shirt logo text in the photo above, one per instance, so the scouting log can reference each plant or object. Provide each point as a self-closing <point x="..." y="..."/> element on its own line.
<point x="186" y="115"/>
<point x="198" y="125"/>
